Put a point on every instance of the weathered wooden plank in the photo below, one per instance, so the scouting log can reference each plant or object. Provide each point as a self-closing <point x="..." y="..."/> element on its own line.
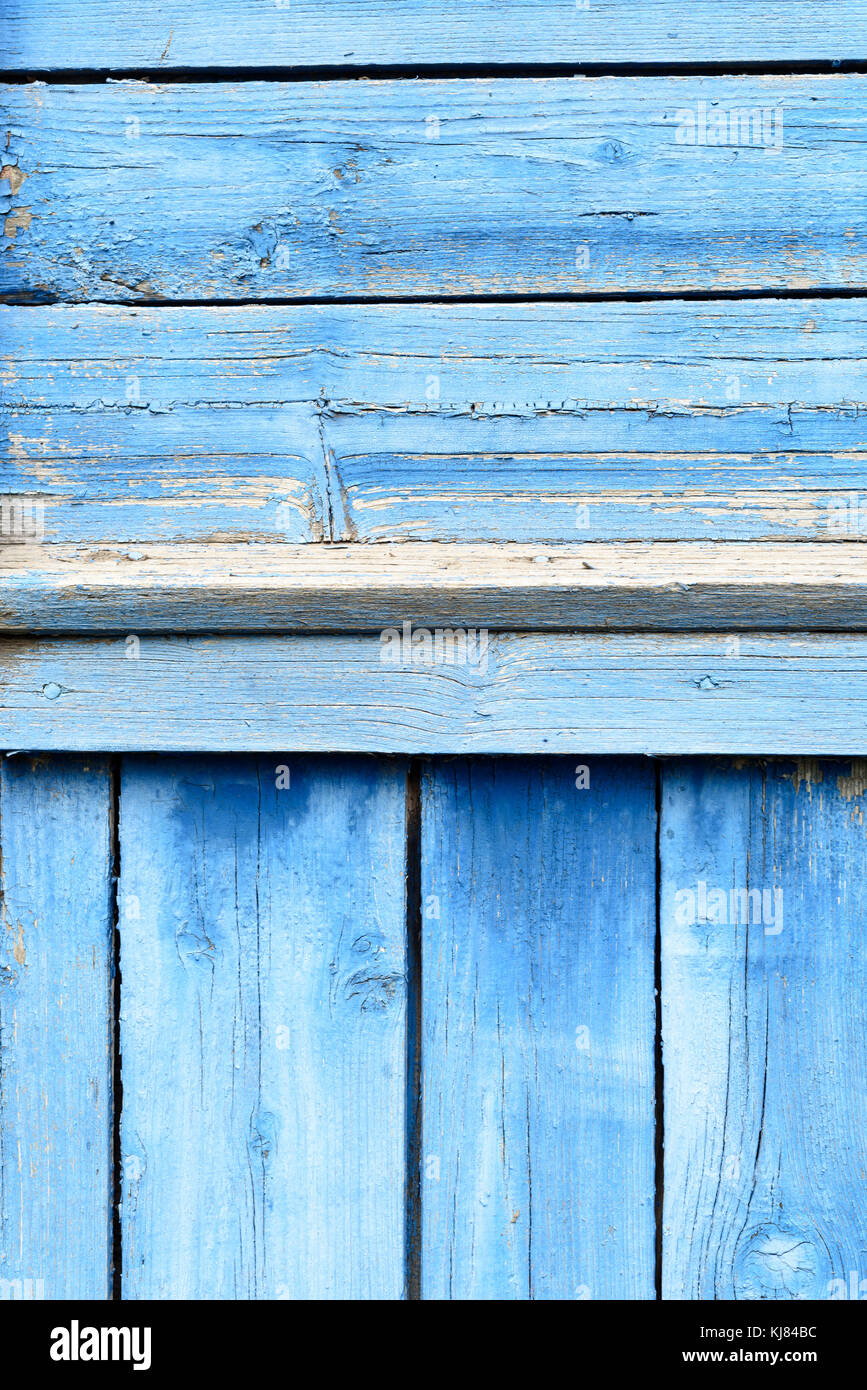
<point x="521" y="693"/>
<point x="55" y="1029"/>
<point x="764" y="1030"/>
<point x="364" y="588"/>
<point x="245" y="191"/>
<point x="263" y="1029"/>
<point x="352" y="33"/>
<point x="540" y="423"/>
<point x="497" y="356"/>
<point x="537" y="1043"/>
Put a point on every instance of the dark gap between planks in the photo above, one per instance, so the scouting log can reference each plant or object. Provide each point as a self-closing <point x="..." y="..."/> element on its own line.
<point x="658" y="1067"/>
<point x="400" y="72"/>
<point x="41" y="300"/>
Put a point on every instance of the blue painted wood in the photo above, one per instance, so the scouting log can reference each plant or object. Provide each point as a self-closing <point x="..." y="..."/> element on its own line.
<point x="55" y="1028"/>
<point x="248" y="191"/>
<point x="167" y="34"/>
<point x="687" y="587"/>
<point x="541" y="423"/>
<point x="764" y="1029"/>
<point x="263" y="1028"/>
<point x="265" y="1126"/>
<point x="537" y="1029"/>
<point x="544" y="692"/>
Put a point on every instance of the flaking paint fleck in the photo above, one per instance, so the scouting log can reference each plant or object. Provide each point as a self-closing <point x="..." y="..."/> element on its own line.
<point x="808" y="771"/>
<point x="14" y="175"/>
<point x="854" y="786"/>
<point x="18" y="220"/>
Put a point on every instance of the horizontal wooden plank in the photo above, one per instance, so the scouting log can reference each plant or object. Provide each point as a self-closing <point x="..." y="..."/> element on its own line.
<point x="522" y="693"/>
<point x="213" y="588"/>
<point x="226" y="33"/>
<point x="248" y="190"/>
<point x="538" y="423"/>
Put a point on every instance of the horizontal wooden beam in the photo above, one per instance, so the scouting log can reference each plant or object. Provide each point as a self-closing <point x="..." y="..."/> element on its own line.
<point x="253" y="190"/>
<point x="542" y="423"/>
<point x="352" y="33"/>
<point x="224" y="588"/>
<point x="520" y="693"/>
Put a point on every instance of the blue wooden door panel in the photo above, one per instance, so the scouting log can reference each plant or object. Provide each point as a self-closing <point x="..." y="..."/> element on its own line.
<point x="265" y="1131"/>
<point x="263" y="1030"/>
<point x="268" y="426"/>
<point x="55" y="1028"/>
<point x="112" y="34"/>
<point x="537" y="1029"/>
<point x="764" y="1050"/>
<point x="250" y="191"/>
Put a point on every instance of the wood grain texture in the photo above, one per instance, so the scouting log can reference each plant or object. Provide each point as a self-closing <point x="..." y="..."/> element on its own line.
<point x="545" y="693"/>
<point x="263" y="1029"/>
<point x="764" y="1031"/>
<point x="55" y="1029"/>
<point x="254" y="190"/>
<point x="537" y="1041"/>
<point x="543" y="423"/>
<point x="227" y="33"/>
<point x="690" y="586"/>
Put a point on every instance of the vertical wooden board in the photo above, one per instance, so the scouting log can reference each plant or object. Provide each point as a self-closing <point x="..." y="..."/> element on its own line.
<point x="55" y="1028"/>
<point x="537" y="1042"/>
<point x="553" y="422"/>
<point x="263" y="1028"/>
<point x="764" y="1038"/>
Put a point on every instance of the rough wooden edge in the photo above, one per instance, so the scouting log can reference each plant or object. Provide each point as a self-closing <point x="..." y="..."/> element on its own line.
<point x="681" y="585"/>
